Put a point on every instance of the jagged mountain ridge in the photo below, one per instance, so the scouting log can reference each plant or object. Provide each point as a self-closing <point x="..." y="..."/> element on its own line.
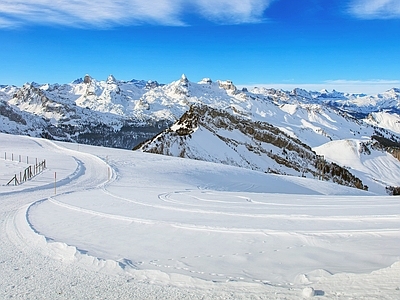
<point x="115" y="103"/>
<point x="123" y="114"/>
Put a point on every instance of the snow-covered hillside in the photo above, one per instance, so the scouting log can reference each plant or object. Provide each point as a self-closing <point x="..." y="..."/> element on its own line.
<point x="119" y="224"/>
<point x="208" y="134"/>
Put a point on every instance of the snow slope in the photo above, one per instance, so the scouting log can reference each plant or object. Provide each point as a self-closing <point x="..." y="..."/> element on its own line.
<point x="377" y="168"/>
<point x="129" y="225"/>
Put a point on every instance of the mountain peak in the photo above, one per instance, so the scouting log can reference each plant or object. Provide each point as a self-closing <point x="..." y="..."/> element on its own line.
<point x="227" y="85"/>
<point x="184" y="79"/>
<point x="111" y="79"/>
<point x="206" y="80"/>
<point x="301" y="93"/>
<point x="394" y="90"/>
<point x="87" y="79"/>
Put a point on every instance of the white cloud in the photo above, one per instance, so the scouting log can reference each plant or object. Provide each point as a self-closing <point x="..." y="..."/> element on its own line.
<point x="233" y="11"/>
<point x="370" y="87"/>
<point x="375" y="9"/>
<point x="100" y="13"/>
<point x="103" y="13"/>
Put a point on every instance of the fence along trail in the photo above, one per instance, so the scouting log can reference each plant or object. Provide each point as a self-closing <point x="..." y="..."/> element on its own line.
<point x="28" y="173"/>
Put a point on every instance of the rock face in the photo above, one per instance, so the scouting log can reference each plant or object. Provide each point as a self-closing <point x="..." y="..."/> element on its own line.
<point x="87" y="79"/>
<point x="203" y="131"/>
<point x="227" y="85"/>
<point x="151" y="84"/>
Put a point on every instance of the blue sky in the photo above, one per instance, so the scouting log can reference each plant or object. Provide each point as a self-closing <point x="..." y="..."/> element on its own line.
<point x="350" y="45"/>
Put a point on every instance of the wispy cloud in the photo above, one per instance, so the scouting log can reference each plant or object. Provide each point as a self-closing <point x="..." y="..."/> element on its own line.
<point x="100" y="13"/>
<point x="105" y="13"/>
<point x="375" y="9"/>
<point x="233" y="11"/>
<point x="369" y="87"/>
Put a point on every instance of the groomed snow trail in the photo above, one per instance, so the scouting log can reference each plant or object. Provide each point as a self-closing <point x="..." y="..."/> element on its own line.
<point x="125" y="225"/>
<point x="33" y="268"/>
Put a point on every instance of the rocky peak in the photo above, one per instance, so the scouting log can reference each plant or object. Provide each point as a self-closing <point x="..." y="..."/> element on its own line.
<point x="111" y="79"/>
<point x="301" y="93"/>
<point x="334" y="94"/>
<point x="206" y="81"/>
<point x="87" y="79"/>
<point x="151" y="84"/>
<point x="184" y="79"/>
<point x="227" y="85"/>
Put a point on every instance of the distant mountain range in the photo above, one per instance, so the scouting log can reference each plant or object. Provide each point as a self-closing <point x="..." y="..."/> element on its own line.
<point x="263" y="129"/>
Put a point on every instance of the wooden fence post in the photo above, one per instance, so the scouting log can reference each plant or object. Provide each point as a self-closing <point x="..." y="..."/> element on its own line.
<point x="55" y="180"/>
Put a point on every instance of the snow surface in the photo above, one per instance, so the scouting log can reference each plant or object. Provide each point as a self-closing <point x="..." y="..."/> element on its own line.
<point x="120" y="224"/>
<point x="377" y="169"/>
<point x="390" y="121"/>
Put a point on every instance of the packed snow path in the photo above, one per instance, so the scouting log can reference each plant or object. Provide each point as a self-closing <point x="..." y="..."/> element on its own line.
<point x="121" y="220"/>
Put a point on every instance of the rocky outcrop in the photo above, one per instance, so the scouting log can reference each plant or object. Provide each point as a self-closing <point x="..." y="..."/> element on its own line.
<point x="227" y="85"/>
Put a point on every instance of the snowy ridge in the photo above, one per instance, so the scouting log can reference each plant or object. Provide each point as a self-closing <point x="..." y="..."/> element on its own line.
<point x="214" y="135"/>
<point x="151" y="101"/>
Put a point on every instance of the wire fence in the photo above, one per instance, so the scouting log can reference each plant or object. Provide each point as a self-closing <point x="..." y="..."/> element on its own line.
<point x="29" y="172"/>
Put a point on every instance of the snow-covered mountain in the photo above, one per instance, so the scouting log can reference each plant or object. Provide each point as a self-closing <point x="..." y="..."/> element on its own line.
<point x="205" y="133"/>
<point x="231" y="128"/>
<point x="100" y="113"/>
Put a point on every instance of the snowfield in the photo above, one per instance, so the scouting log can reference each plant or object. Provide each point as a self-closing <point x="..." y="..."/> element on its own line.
<point x="103" y="223"/>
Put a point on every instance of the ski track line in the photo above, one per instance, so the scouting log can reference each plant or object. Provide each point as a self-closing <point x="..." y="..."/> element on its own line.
<point x="101" y="214"/>
<point x="89" y="161"/>
<point x="216" y="228"/>
<point x="153" y="222"/>
<point x="164" y="197"/>
<point x="167" y="197"/>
